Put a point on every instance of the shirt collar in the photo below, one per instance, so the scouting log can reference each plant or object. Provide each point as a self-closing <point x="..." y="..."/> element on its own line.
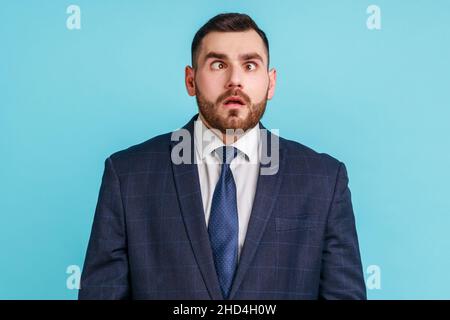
<point x="206" y="142"/>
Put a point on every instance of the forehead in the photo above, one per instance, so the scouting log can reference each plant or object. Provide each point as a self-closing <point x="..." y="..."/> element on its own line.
<point x="233" y="44"/>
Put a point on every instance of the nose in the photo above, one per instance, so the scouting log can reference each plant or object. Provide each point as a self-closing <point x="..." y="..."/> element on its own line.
<point x="234" y="79"/>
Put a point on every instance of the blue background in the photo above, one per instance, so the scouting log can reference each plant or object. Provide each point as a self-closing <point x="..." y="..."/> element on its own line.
<point x="378" y="100"/>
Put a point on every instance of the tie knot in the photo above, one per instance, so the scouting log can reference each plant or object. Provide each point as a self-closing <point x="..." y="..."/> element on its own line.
<point x="227" y="154"/>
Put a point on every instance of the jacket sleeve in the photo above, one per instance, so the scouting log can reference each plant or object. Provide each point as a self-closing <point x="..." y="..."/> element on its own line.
<point x="341" y="271"/>
<point x="105" y="273"/>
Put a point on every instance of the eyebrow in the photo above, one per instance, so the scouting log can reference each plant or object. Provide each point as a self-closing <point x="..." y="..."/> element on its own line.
<point x="223" y="56"/>
<point x="251" y="56"/>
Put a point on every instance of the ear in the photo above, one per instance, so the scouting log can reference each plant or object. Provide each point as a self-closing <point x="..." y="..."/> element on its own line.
<point x="272" y="83"/>
<point x="189" y="75"/>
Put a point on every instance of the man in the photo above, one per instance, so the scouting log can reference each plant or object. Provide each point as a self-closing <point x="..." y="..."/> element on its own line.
<point x="200" y="219"/>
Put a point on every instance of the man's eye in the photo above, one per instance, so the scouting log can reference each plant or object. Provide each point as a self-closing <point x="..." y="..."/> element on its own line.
<point x="250" y="66"/>
<point x="217" y="65"/>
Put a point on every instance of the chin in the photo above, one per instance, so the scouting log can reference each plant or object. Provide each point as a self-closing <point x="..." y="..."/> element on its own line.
<point x="234" y="122"/>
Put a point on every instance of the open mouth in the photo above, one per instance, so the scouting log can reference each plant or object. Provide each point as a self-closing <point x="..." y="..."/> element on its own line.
<point x="234" y="101"/>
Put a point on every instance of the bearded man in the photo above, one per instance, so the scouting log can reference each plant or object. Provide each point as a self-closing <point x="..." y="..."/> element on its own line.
<point x="194" y="214"/>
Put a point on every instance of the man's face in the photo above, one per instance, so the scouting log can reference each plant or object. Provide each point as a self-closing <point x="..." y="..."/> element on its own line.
<point x="231" y="82"/>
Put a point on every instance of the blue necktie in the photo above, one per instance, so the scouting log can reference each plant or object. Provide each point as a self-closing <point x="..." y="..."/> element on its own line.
<point x="223" y="223"/>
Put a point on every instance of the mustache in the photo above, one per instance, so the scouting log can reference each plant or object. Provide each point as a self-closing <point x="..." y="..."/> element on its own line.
<point x="234" y="92"/>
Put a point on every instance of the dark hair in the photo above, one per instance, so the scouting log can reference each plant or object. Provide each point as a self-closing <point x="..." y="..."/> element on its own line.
<point x="226" y="22"/>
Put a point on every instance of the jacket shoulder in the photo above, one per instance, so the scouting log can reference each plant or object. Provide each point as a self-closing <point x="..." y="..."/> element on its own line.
<point x="314" y="161"/>
<point x="156" y="144"/>
<point x="153" y="153"/>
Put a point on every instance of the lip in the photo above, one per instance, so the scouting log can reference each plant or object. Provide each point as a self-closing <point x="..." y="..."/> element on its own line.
<point x="234" y="105"/>
<point x="239" y="102"/>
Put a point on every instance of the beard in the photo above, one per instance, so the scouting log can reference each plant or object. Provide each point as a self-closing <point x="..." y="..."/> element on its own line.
<point x="221" y="118"/>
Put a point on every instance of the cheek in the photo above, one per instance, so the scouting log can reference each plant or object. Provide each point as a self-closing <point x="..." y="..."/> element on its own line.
<point x="257" y="88"/>
<point x="209" y="85"/>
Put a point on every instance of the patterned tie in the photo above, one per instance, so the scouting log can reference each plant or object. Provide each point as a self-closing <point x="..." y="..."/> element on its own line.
<point x="223" y="223"/>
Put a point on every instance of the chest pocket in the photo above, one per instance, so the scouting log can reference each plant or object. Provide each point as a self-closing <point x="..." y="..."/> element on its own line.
<point x="306" y="222"/>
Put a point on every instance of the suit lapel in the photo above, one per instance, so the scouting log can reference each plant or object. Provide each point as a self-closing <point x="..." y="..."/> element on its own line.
<point x="267" y="189"/>
<point x="187" y="184"/>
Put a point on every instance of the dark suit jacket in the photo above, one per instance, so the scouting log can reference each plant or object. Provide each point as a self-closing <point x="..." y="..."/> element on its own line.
<point x="149" y="237"/>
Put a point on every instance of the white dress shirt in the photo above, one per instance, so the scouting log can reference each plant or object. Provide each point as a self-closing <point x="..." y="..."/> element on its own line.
<point x="245" y="169"/>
